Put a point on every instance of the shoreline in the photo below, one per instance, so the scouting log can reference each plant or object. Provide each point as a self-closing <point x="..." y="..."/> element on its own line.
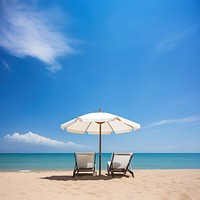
<point x="71" y="170"/>
<point x="147" y="184"/>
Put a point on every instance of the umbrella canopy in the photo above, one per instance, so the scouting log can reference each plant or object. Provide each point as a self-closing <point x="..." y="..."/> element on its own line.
<point x="100" y="123"/>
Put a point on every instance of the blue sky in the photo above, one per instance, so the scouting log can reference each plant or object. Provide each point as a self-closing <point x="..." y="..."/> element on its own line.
<point x="136" y="59"/>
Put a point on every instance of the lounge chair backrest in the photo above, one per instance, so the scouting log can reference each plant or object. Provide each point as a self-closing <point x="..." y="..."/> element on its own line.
<point x="85" y="160"/>
<point x="121" y="160"/>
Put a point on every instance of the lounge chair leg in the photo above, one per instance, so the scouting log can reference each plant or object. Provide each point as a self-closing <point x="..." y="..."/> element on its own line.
<point x="74" y="173"/>
<point x="108" y="170"/>
<point x="131" y="172"/>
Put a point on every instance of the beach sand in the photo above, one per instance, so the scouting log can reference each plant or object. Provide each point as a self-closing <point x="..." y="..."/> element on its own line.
<point x="147" y="185"/>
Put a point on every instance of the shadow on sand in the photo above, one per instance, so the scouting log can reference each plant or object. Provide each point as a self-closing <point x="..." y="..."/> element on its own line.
<point x="84" y="177"/>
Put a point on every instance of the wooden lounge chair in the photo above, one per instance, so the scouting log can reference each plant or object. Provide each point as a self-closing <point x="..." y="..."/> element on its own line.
<point x="120" y="162"/>
<point x="84" y="163"/>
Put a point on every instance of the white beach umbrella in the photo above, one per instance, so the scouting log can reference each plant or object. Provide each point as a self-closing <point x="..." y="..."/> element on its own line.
<point x="100" y="123"/>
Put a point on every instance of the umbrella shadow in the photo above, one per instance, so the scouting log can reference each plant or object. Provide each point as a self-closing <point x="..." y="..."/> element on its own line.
<point x="83" y="177"/>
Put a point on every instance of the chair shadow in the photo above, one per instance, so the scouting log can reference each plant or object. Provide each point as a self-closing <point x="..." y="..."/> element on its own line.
<point x="83" y="177"/>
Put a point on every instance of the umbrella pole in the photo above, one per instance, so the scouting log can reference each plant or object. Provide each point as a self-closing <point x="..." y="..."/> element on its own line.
<point x="99" y="149"/>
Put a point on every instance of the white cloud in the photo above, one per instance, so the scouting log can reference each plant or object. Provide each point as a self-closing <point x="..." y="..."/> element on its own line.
<point x="5" y="64"/>
<point x="171" y="42"/>
<point x="32" y="138"/>
<point x="28" y="32"/>
<point x="174" y="121"/>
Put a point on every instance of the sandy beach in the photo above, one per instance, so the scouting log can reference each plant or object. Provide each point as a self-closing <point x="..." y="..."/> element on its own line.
<point x="147" y="184"/>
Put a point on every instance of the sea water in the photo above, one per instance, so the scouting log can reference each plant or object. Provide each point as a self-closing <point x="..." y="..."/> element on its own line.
<point x="65" y="161"/>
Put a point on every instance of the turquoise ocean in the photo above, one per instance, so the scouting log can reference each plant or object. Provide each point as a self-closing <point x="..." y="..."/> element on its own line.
<point x="65" y="161"/>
